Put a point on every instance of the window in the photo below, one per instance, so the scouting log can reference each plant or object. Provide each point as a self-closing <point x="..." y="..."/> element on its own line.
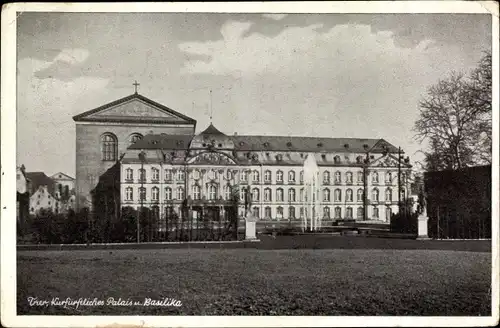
<point x="227" y="192"/>
<point x="403" y="177"/>
<point x="255" y="176"/>
<point x="129" y="174"/>
<point x="360" y="177"/>
<point x="360" y="195"/>
<point x="348" y="177"/>
<point x="255" y="212"/>
<point x="375" y="212"/>
<point x="388" y="213"/>
<point x="109" y="147"/>
<point x="255" y="194"/>
<point x="388" y="178"/>
<point x="291" y="212"/>
<point x="196" y="174"/>
<point x="291" y="195"/>
<point x="212" y="174"/>
<point x="301" y="212"/>
<point x="229" y="175"/>
<point x="142" y="175"/>
<point x="212" y="192"/>
<point x="326" y="177"/>
<point x="155" y="174"/>
<point x="388" y="195"/>
<point x="338" y="195"/>
<point x="142" y="193"/>
<point x="267" y="195"/>
<point x="375" y="177"/>
<point x="279" y="213"/>
<point x="291" y="176"/>
<point x="326" y="195"/>
<point x="359" y="159"/>
<point x="129" y="193"/>
<point x="196" y="192"/>
<point x="180" y="193"/>
<point x="326" y="212"/>
<point x="348" y="195"/>
<point x="301" y="176"/>
<point x="267" y="176"/>
<point x="168" y="193"/>
<point x="338" y="212"/>
<point x="168" y="175"/>
<point x="336" y="159"/>
<point x="134" y="138"/>
<point x="267" y="212"/>
<point x="155" y="192"/>
<point x="403" y="194"/>
<point x="375" y="194"/>
<point x="348" y="212"/>
<point x="279" y="177"/>
<point x="243" y="176"/>
<point x="180" y="175"/>
<point x="338" y="177"/>
<point x="302" y="195"/>
<point x="279" y="195"/>
<point x="360" y="213"/>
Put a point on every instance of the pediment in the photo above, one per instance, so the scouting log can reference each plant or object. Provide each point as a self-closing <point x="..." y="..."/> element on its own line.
<point x="135" y="108"/>
<point x="387" y="161"/>
<point x="212" y="158"/>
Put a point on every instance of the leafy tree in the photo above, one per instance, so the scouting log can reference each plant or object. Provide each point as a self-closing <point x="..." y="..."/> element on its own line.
<point x="455" y="119"/>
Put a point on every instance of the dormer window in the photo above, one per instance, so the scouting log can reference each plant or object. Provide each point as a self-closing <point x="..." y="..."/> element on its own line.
<point x="346" y="146"/>
<point x="279" y="157"/>
<point x="289" y="144"/>
<point x="266" y="144"/>
<point x="320" y="144"/>
<point x="336" y="159"/>
<point x="323" y="156"/>
<point x="242" y="143"/>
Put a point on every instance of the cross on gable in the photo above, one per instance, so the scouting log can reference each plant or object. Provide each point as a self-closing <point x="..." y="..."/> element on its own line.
<point x="135" y="84"/>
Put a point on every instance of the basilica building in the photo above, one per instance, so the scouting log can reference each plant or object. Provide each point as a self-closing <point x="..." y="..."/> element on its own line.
<point x="159" y="162"/>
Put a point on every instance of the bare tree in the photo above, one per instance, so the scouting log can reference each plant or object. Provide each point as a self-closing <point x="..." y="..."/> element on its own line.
<point x="455" y="119"/>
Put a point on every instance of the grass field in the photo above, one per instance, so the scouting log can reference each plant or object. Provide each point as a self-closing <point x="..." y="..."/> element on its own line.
<point x="261" y="282"/>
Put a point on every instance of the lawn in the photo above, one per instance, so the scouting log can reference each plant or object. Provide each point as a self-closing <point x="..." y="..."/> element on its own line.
<point x="260" y="282"/>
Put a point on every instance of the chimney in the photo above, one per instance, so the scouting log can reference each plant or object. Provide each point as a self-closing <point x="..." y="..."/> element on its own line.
<point x="236" y="133"/>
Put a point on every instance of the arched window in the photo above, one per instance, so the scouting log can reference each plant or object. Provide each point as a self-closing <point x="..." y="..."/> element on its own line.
<point x="255" y="176"/>
<point x="301" y="176"/>
<point x="348" y="177"/>
<point x="155" y="174"/>
<point x="255" y="194"/>
<point x="326" y="195"/>
<point x="196" y="192"/>
<point x="360" y="213"/>
<point x="267" y="212"/>
<point x="326" y="177"/>
<point x="348" y="195"/>
<point x="291" y="176"/>
<point x="168" y="193"/>
<point x="109" y="147"/>
<point x="229" y="174"/>
<point x="279" y="176"/>
<point x="244" y="176"/>
<point x="155" y="193"/>
<point x="279" y="195"/>
<point x="338" y="177"/>
<point x="212" y="192"/>
<point x="279" y="213"/>
<point x="375" y="177"/>
<point x="360" y="195"/>
<point x="142" y="175"/>
<point x="180" y="193"/>
<point x="255" y="212"/>
<point x="388" y="213"/>
<point x="388" y="195"/>
<point x="338" y="212"/>
<point x="348" y="212"/>
<point x="134" y="138"/>
<point x="388" y="178"/>
<point x="129" y="176"/>
<point x="403" y="194"/>
<point x="338" y="195"/>
<point x="267" y="195"/>
<point x="375" y="212"/>
<point x="180" y="175"/>
<point x="267" y="176"/>
<point x="359" y="159"/>
<point x="326" y="212"/>
<point x="291" y="212"/>
<point x="375" y="194"/>
<point x="227" y="192"/>
<point x="168" y="175"/>
<point x="142" y="193"/>
<point x="129" y="193"/>
<point x="336" y="159"/>
<point x="360" y="177"/>
<point x="302" y="195"/>
<point x="291" y="195"/>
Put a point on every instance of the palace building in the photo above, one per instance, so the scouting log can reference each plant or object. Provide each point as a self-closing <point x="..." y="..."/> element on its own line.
<point x="155" y="159"/>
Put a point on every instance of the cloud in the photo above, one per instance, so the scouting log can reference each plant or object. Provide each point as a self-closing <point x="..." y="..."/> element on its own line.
<point x="72" y="56"/>
<point x="275" y="16"/>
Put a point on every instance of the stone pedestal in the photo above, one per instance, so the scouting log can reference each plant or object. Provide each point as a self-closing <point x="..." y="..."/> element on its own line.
<point x="422" y="227"/>
<point x="250" y="223"/>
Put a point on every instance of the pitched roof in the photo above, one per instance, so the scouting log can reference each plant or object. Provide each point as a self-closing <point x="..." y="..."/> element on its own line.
<point x="163" y="141"/>
<point x="63" y="176"/>
<point x="38" y="179"/>
<point x="83" y="116"/>
<point x="212" y="130"/>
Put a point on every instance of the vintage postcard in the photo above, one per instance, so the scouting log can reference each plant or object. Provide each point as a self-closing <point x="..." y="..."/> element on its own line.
<point x="271" y="164"/>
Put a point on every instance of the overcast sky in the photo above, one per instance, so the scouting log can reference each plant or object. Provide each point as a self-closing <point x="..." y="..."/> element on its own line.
<point x="328" y="75"/>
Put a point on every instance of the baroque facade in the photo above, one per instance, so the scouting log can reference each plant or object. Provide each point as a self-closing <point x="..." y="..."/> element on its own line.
<point x="171" y="166"/>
